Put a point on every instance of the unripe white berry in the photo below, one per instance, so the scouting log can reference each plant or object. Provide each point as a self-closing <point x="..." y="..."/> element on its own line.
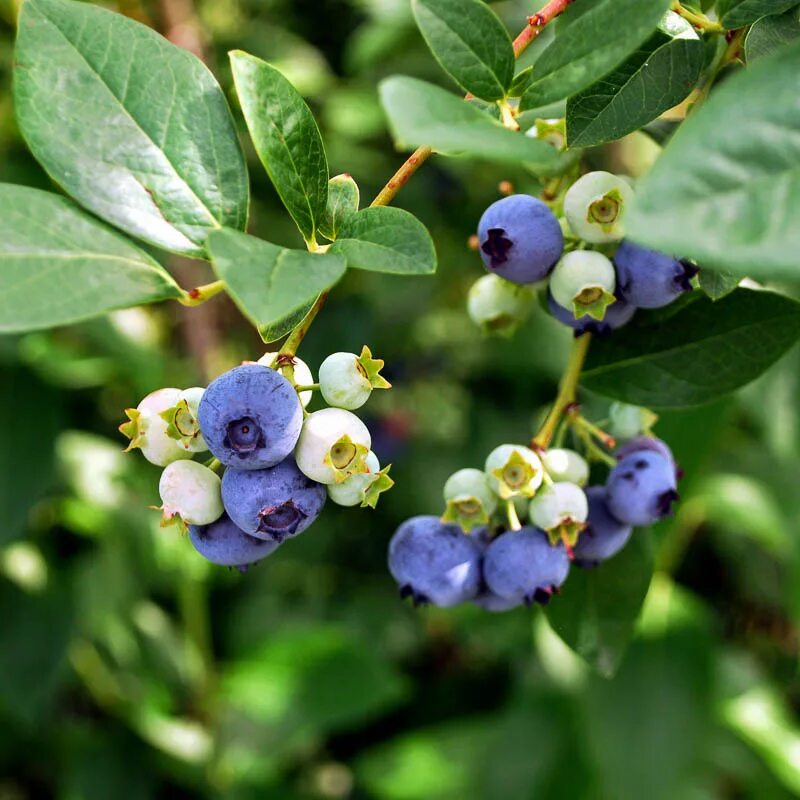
<point x="497" y="305"/>
<point x="596" y="206"/>
<point x="192" y="492"/>
<point x="333" y="445"/>
<point x="558" y="504"/>
<point x="514" y="470"/>
<point x="566" y="465"/>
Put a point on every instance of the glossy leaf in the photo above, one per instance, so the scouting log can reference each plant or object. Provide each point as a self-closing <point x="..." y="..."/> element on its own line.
<point x="143" y="139"/>
<point x="769" y="33"/>
<point x="343" y="199"/>
<point x="656" y="77"/>
<point x="286" y="138"/>
<point x="738" y="13"/>
<point x="590" y="46"/>
<point x="384" y="239"/>
<point x="726" y="189"/>
<point x="597" y="615"/>
<point x="717" y="284"/>
<point x="270" y="283"/>
<point x="59" y="265"/>
<point x="471" y="44"/>
<point x="694" y="352"/>
<point x="423" y="114"/>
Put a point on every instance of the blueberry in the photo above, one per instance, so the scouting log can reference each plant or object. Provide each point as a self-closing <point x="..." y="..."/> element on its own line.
<point x="641" y="488"/>
<point x="604" y="536"/>
<point x="498" y="306"/>
<point x="627" y="421"/>
<point x="486" y="598"/>
<point x="434" y="563"/>
<point x="520" y="239"/>
<point x="565" y="465"/>
<point x="649" y="279"/>
<point x="523" y="565"/>
<point x="222" y="542"/>
<point x="583" y="282"/>
<point x="272" y="503"/>
<point x="190" y="492"/>
<point x="596" y="206"/>
<point x="250" y="417"/>
<point x="651" y="443"/>
<point x="347" y="380"/>
<point x="617" y="314"/>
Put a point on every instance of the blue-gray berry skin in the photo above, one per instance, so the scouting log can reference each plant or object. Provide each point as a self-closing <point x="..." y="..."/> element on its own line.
<point x="250" y="417"/>
<point x="651" y="443"/>
<point x="272" y="503"/>
<point x="520" y="239"/>
<point x="641" y="488"/>
<point x="649" y="279"/>
<point x="523" y="566"/>
<point x="486" y="598"/>
<point x="604" y="535"/>
<point x="617" y="314"/>
<point x="434" y="563"/>
<point x="222" y="542"/>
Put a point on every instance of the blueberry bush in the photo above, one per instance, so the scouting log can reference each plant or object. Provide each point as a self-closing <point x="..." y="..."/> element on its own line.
<point x="551" y="402"/>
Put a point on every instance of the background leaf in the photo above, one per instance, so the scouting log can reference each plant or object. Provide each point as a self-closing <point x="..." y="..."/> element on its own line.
<point x="717" y="284"/>
<point x="471" y="44"/>
<point x="343" y="199"/>
<point x="596" y="617"/>
<point x="58" y="265"/>
<point x="286" y="138"/>
<point x="269" y="283"/>
<point x="423" y="114"/>
<point x="738" y="13"/>
<point x="384" y="239"/>
<point x="737" y="210"/>
<point x="652" y="80"/>
<point x="591" y="46"/>
<point x="144" y="139"/>
<point x="769" y="33"/>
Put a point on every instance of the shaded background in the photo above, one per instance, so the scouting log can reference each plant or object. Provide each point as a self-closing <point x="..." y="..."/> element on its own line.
<point x="130" y="668"/>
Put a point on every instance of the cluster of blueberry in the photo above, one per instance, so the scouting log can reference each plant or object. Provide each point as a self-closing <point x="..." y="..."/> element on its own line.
<point x="510" y="531"/>
<point x="522" y="243"/>
<point x="280" y="461"/>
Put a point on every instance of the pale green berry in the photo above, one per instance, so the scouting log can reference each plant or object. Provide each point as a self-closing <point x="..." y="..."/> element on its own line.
<point x="566" y="465"/>
<point x="583" y="282"/>
<point x="363" y="488"/>
<point x="333" y="445"/>
<point x="627" y="422"/>
<point x="596" y="206"/>
<point x="347" y="380"/>
<point x="497" y="305"/>
<point x="469" y="499"/>
<point x="302" y="374"/>
<point x="190" y="493"/>
<point x="513" y="471"/>
<point x="181" y="419"/>
<point x="148" y="430"/>
<point x="560" y="509"/>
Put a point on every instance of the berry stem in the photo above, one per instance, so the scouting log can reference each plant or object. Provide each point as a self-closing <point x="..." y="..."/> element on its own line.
<point x="577" y="420"/>
<point x="401" y="177"/>
<point x="729" y="55"/>
<point x="513" y="517"/>
<point x="296" y="337"/>
<point x="567" y="391"/>
<point x="198" y="295"/>
<point x="700" y="21"/>
<point x="310" y="387"/>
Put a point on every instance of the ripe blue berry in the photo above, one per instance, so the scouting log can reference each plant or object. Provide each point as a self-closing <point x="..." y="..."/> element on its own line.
<point x="434" y="563"/>
<point x="250" y="417"/>
<point x="223" y="543"/>
<point x="604" y="535"/>
<point x="523" y="565"/>
<point x="641" y="488"/>
<point x="649" y="279"/>
<point x="272" y="503"/>
<point x="486" y="598"/>
<point x="617" y="314"/>
<point x="651" y="443"/>
<point x="520" y="239"/>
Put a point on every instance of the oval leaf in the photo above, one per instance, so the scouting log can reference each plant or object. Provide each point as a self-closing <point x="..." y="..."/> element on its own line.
<point x="693" y="352"/>
<point x="384" y="239"/>
<point x="58" y="265"/>
<point x="271" y="284"/>
<point x="726" y="189"/>
<point x="658" y="76"/>
<point x="423" y="114"/>
<point x="286" y="138"/>
<point x="591" y="46"/>
<point x="470" y="42"/>
<point x="738" y="13"/>
<point x="343" y="199"/>
<point x="717" y="284"/>
<point x="769" y="33"/>
<point x="144" y="139"/>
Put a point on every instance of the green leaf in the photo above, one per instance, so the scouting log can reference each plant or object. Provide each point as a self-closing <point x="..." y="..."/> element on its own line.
<point x="384" y="239"/>
<point x="343" y="199"/>
<point x="738" y="13"/>
<point x="769" y="33"/>
<point x="658" y="76"/>
<point x="59" y="265"/>
<point x="717" y="284"/>
<point x="693" y="352"/>
<point x="278" y="329"/>
<point x="423" y="114"/>
<point x="521" y="82"/>
<point x="286" y="138"/>
<point x="136" y="129"/>
<point x="726" y="189"/>
<point x="597" y="611"/>
<point x="271" y="283"/>
<point x="471" y="44"/>
<point x="591" y="46"/>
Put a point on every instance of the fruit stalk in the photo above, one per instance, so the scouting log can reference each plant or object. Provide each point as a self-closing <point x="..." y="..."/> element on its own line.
<point x="198" y="295"/>
<point x="567" y="391"/>
<point x="700" y="21"/>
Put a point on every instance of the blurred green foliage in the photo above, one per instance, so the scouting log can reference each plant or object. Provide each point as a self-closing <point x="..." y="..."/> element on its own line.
<point x="129" y="668"/>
